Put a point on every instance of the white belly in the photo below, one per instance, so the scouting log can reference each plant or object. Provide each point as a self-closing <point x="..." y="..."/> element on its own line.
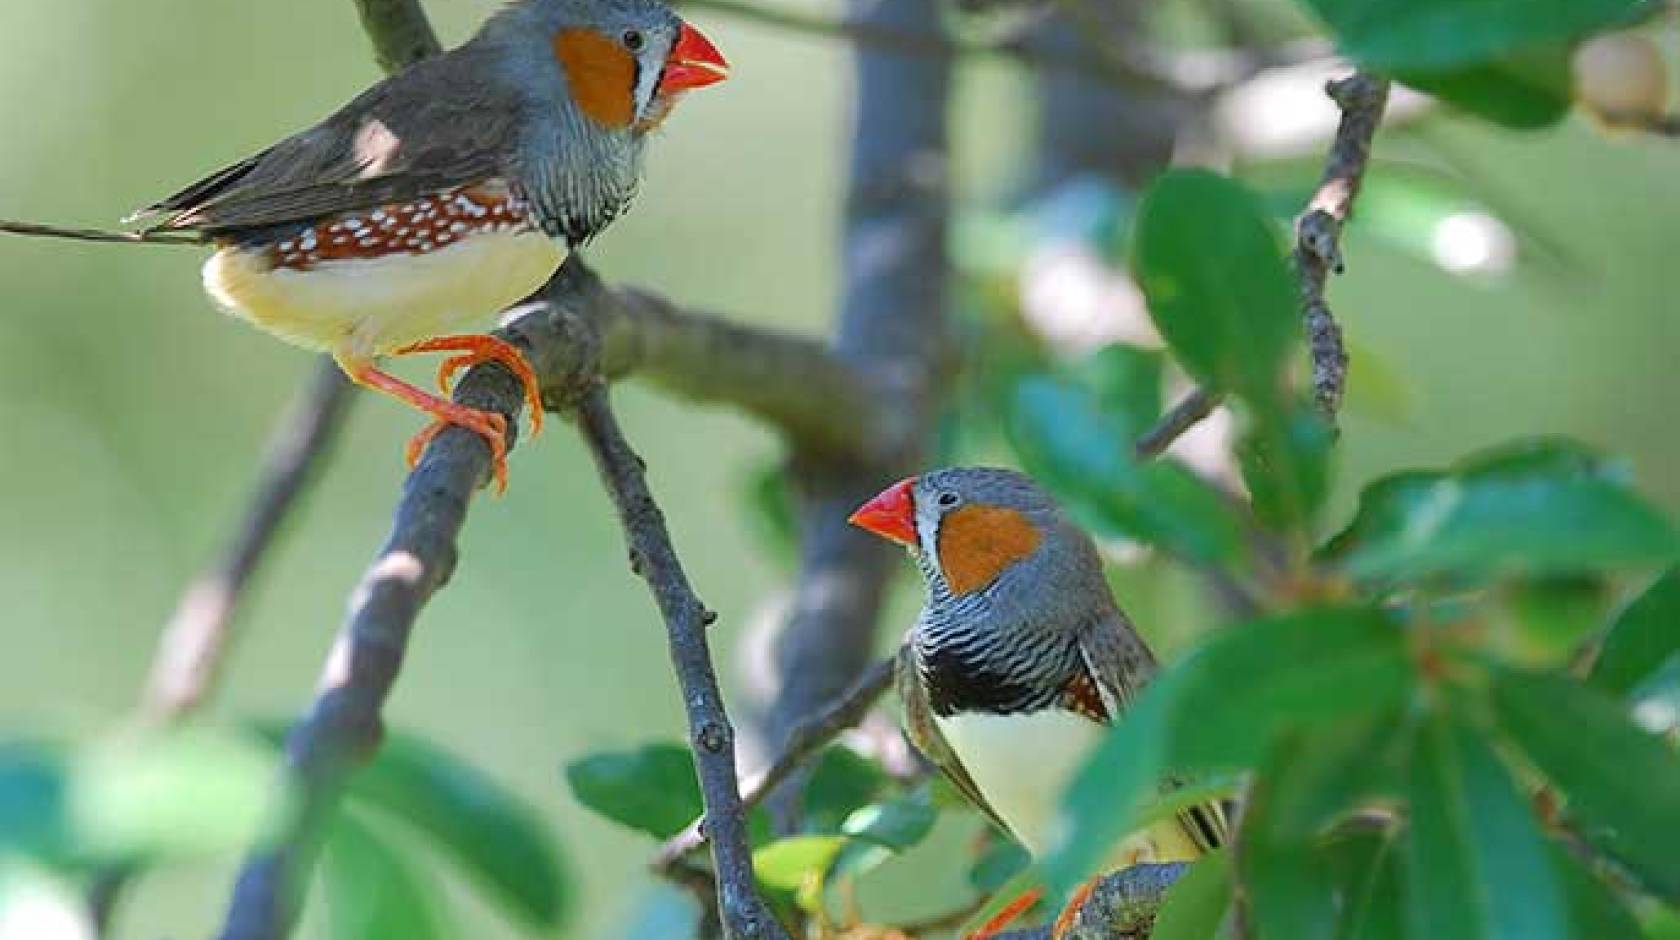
<point x="372" y="306"/>
<point x="1022" y="763"/>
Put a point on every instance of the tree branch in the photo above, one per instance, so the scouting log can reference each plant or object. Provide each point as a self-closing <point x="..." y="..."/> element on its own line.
<point x="400" y="31"/>
<point x="806" y="740"/>
<point x="1190" y="410"/>
<point x="1122" y="906"/>
<point x="711" y="737"/>
<point x="1361" y="98"/>
<point x="189" y="656"/>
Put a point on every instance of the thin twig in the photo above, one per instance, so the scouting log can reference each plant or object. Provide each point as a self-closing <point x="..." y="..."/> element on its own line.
<point x="711" y="737"/>
<point x="1361" y="98"/>
<point x="1190" y="410"/>
<point x="400" y="31"/>
<point x="193" y="646"/>
<point x="37" y="230"/>
<point x="804" y="742"/>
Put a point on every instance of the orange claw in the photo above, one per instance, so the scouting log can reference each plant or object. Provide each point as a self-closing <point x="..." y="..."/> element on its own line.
<point x="489" y="425"/>
<point x="1002" y="919"/>
<point x="477" y="348"/>
<point x="1064" y="921"/>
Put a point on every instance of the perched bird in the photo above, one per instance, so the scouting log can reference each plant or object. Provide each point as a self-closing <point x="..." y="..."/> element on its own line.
<point x="1020" y="656"/>
<point x="446" y="193"/>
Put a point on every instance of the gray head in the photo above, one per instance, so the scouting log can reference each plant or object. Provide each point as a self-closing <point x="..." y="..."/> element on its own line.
<point x="994" y="547"/>
<point x="593" y="78"/>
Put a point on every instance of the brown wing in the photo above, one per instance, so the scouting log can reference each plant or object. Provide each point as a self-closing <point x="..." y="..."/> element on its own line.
<point x="433" y="127"/>
<point x="1121" y="664"/>
<point x="924" y="734"/>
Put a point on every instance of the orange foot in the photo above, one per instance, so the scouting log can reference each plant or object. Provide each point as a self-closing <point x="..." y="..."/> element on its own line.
<point x="1002" y="919"/>
<point x="1064" y="921"/>
<point x="477" y="348"/>
<point x="487" y="424"/>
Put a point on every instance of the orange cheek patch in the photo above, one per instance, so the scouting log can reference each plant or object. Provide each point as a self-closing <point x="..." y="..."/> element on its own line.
<point x="601" y="74"/>
<point x="977" y="542"/>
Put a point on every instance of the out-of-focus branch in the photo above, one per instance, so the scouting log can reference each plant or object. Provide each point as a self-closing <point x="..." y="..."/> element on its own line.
<point x="892" y="328"/>
<point x="1361" y="98"/>
<point x="1192" y="408"/>
<point x="1122" y="906"/>
<point x="400" y="31"/>
<point x="711" y="737"/>
<point x="804" y="743"/>
<point x="190" y="653"/>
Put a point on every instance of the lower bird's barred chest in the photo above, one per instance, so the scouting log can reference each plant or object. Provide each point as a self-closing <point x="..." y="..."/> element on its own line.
<point x="963" y="675"/>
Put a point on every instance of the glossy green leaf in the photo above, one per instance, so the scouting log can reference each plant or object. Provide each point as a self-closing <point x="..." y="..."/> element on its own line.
<point x="1126" y="382"/>
<point x="1290" y="887"/>
<point x="1525" y="89"/>
<point x="1211" y="264"/>
<point x="1003" y="859"/>
<point x="1543" y="506"/>
<point x="1621" y="784"/>
<point x="487" y="830"/>
<point x="1593" y="908"/>
<point x="372" y="892"/>
<point x="1371" y="904"/>
<point x="652" y="789"/>
<point x="841" y="782"/>
<point x="1551" y="617"/>
<point x="1644" y="638"/>
<point x="1476" y="866"/>
<point x="1066" y="442"/>
<point x="1197" y="903"/>
<point x="1285" y="462"/>
<point x="1399" y="35"/>
<point x="797" y="866"/>
<point x="897" y="824"/>
<point x="1218" y="708"/>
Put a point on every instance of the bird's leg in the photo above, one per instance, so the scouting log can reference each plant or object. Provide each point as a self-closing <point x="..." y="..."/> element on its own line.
<point x="1002" y="919"/>
<point x="477" y="348"/>
<point x="487" y="424"/>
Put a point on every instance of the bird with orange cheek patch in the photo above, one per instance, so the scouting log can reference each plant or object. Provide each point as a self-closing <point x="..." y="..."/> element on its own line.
<point x="446" y="193"/>
<point x="1020" y="656"/>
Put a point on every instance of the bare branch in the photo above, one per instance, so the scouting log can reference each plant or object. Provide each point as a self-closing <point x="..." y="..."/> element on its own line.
<point x="400" y="31"/>
<point x="1361" y="98"/>
<point x="190" y="652"/>
<point x="1183" y="416"/>
<point x="805" y="741"/>
<point x="37" y="230"/>
<point x="1121" y="906"/>
<point x="711" y="737"/>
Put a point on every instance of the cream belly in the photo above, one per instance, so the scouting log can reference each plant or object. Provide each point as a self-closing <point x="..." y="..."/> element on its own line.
<point x="1022" y="763"/>
<point x="367" y="307"/>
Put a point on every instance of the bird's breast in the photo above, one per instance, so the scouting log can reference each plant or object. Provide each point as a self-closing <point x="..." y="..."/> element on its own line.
<point x="1021" y="762"/>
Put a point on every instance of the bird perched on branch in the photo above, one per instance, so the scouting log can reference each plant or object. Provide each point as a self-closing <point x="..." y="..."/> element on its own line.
<point x="1020" y="656"/>
<point x="445" y="193"/>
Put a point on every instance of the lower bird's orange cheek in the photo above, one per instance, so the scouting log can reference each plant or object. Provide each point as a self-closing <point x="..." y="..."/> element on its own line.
<point x="976" y="544"/>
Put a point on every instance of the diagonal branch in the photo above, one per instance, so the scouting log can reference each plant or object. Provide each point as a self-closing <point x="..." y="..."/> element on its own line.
<point x="1318" y="232"/>
<point x="711" y="737"/>
<point x="400" y="31"/>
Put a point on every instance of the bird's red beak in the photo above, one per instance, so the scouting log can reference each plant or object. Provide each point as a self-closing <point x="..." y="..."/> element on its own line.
<point x="891" y="514"/>
<point x="694" y="63"/>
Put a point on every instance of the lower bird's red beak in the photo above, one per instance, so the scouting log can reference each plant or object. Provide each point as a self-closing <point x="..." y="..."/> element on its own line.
<point x="891" y="514"/>
<point x="694" y="63"/>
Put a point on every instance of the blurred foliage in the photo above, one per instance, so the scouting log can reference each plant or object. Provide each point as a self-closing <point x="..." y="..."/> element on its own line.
<point x="1444" y="723"/>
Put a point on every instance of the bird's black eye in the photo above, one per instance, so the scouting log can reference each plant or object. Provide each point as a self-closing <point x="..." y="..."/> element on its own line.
<point x="947" y="499"/>
<point x="633" y="40"/>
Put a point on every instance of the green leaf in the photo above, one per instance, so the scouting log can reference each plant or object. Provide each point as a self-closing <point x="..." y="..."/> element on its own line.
<point x="1196" y="905"/>
<point x="1069" y="445"/>
<point x="842" y="781"/>
<point x="1218" y="708"/>
<point x="487" y="830"/>
<point x="1372" y="907"/>
<point x="1542" y="507"/>
<point x="1476" y="865"/>
<point x="897" y="824"/>
<point x="371" y="890"/>
<point x="1126" y="382"/>
<point x="651" y="789"/>
<point x="1398" y="35"/>
<point x="1621" y="783"/>
<point x="1003" y="859"/>
<point x="767" y="495"/>
<point x="1524" y="89"/>
<point x="33" y="818"/>
<point x="1551" y="616"/>
<point x="1286" y="463"/>
<point x="1594" y="910"/>
<point x="798" y="866"/>
<point x="1644" y="637"/>
<point x="1211" y="264"/>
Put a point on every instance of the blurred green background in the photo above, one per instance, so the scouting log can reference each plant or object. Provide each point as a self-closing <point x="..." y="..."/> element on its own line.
<point x="132" y="413"/>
